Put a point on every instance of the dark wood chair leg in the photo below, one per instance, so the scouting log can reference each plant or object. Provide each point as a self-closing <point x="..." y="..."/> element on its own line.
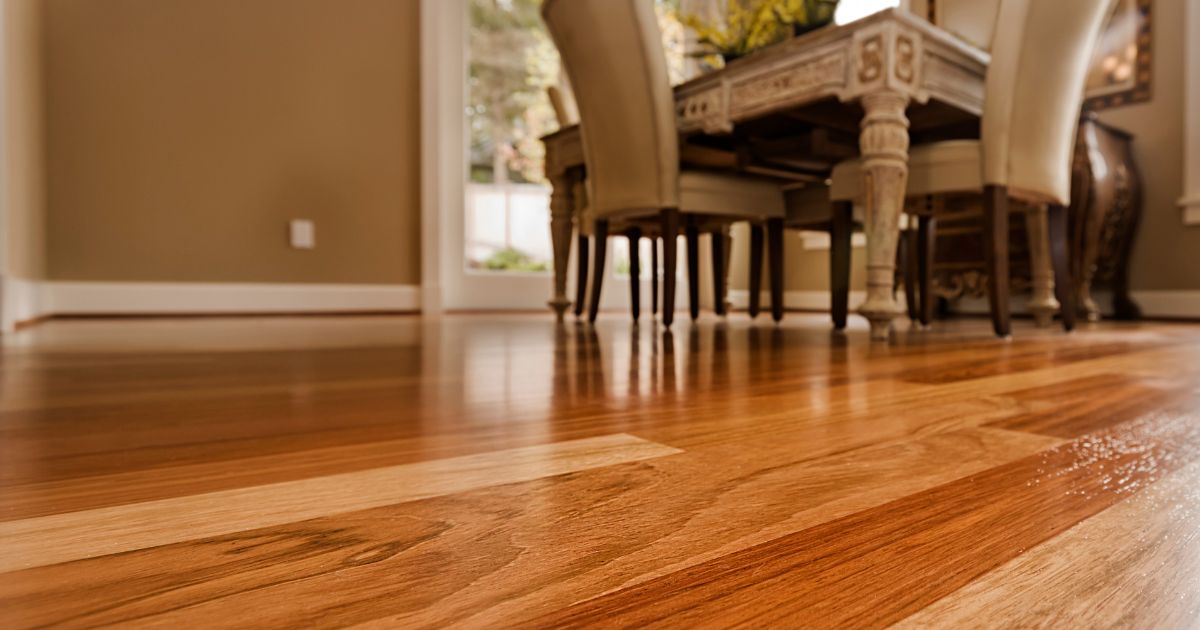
<point x="775" y="259"/>
<point x="840" y="230"/>
<point x="1060" y="258"/>
<point x="634" y="234"/>
<point x="600" y="234"/>
<point x="718" y="270"/>
<point x="654" y="276"/>
<point x="995" y="237"/>
<point x="670" y="233"/>
<point x="756" y="263"/>
<point x="581" y="279"/>
<point x="906" y="255"/>
<point x="693" y="264"/>
<point x="926" y="246"/>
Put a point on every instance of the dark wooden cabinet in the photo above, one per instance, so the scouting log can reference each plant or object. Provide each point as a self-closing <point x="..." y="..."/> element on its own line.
<point x="1106" y="205"/>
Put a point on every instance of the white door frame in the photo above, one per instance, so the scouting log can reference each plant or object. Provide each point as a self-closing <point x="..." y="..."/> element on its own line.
<point x="6" y="323"/>
<point x="445" y="285"/>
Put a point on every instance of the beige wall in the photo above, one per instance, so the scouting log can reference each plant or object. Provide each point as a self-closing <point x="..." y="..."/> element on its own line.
<point x="23" y="189"/>
<point x="804" y="269"/>
<point x="1166" y="255"/>
<point x="182" y="135"/>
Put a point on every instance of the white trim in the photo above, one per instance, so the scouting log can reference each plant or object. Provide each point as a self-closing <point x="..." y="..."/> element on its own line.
<point x="806" y="300"/>
<point x="1168" y="303"/>
<point x="1191" y="206"/>
<point x="1190" y="201"/>
<point x="443" y="144"/>
<point x="6" y="322"/>
<point x="24" y="300"/>
<point x="36" y="299"/>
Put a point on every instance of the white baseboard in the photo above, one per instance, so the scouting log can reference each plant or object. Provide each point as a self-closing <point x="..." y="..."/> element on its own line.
<point x="1164" y="304"/>
<point x="1176" y="304"/>
<point x="26" y="300"/>
<point x="805" y="300"/>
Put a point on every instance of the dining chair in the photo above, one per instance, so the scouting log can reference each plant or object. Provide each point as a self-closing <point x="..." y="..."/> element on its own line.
<point x="809" y="209"/>
<point x="1033" y="93"/>
<point x="612" y="53"/>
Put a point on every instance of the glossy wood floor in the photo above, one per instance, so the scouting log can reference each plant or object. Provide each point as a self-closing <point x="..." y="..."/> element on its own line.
<point x="501" y="471"/>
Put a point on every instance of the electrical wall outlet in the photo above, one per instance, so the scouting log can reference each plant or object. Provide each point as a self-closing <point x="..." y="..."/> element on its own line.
<point x="303" y="234"/>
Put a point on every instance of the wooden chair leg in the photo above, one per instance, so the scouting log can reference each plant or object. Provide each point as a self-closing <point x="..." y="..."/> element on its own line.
<point x="693" y="268"/>
<point x="718" y="270"/>
<point x="995" y="236"/>
<point x="907" y="256"/>
<point x="670" y="233"/>
<point x="756" y="263"/>
<point x="926" y="246"/>
<point x="775" y="258"/>
<point x="1061" y="258"/>
<point x="600" y="234"/>
<point x="634" y="234"/>
<point x="654" y="276"/>
<point x="581" y="279"/>
<point x="840" y="231"/>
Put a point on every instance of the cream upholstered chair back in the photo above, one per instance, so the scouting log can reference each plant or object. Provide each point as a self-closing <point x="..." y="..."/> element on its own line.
<point x="1040" y="55"/>
<point x="613" y="56"/>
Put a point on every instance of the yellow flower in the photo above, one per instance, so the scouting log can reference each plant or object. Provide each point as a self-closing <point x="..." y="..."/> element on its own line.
<point x="747" y="25"/>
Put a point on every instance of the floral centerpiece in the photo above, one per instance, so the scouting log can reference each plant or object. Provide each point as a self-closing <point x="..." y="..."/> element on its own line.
<point x="748" y="25"/>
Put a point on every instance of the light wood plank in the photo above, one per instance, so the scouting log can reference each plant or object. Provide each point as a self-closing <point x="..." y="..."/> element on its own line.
<point x="65" y="537"/>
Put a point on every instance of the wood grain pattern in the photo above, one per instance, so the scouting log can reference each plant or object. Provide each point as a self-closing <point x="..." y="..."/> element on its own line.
<point x="1133" y="565"/>
<point x="880" y="565"/>
<point x="790" y="476"/>
<point x="113" y="530"/>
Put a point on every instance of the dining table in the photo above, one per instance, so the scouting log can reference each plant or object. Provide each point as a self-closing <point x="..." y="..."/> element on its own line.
<point x="889" y="80"/>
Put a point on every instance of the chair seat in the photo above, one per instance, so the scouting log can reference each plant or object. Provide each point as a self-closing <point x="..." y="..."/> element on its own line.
<point x="810" y="207"/>
<point x="939" y="167"/>
<point x="730" y="195"/>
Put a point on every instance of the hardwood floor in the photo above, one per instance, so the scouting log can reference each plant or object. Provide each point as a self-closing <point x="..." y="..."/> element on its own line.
<point x="498" y="471"/>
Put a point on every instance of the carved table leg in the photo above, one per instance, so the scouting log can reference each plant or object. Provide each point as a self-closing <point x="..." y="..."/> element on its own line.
<point x="562" y="219"/>
<point x="1042" y="305"/>
<point x="884" y="145"/>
